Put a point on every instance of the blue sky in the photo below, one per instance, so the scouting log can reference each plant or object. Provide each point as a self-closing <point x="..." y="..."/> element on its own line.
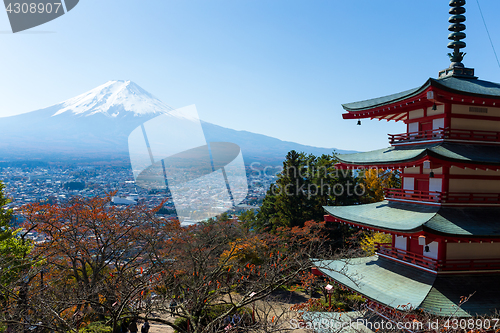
<point x="280" y="68"/>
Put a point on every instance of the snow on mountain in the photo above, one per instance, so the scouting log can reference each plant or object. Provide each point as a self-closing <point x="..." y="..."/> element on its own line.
<point x="97" y="124"/>
<point x="114" y="99"/>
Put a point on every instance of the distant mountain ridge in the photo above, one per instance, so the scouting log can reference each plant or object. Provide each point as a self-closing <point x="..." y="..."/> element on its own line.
<point x="95" y="125"/>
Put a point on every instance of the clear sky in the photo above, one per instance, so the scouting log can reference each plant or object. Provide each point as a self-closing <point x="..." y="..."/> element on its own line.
<point x="276" y="67"/>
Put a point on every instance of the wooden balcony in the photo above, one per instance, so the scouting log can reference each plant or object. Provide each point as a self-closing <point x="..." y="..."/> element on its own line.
<point x="445" y="134"/>
<point x="449" y="265"/>
<point x="452" y="198"/>
<point x="414" y="195"/>
<point x="471" y="198"/>
<point x="387" y="250"/>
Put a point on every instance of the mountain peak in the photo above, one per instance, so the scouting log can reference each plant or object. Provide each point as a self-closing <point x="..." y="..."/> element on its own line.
<point x="117" y="98"/>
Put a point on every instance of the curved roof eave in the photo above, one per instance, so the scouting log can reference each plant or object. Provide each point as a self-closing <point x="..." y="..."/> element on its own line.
<point x="449" y="152"/>
<point x="384" y="100"/>
<point x="463" y="86"/>
<point x="408" y="218"/>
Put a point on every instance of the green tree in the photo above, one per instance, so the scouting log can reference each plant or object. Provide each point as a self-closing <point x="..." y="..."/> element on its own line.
<point x="5" y="215"/>
<point x="14" y="261"/>
<point x="304" y="186"/>
<point x="290" y="203"/>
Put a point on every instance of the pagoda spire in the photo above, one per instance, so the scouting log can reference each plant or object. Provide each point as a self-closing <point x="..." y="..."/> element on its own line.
<point x="456" y="28"/>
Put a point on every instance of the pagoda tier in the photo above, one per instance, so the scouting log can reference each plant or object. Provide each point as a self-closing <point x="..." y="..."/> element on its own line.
<point x="437" y="174"/>
<point x="450" y="109"/>
<point x="402" y="287"/>
<point x="438" y="240"/>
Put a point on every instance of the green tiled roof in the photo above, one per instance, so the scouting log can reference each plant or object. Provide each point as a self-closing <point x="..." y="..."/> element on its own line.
<point x="469" y="86"/>
<point x="464" y="86"/>
<point x="391" y="216"/>
<point x="406" y="217"/>
<point x="383" y="156"/>
<point x="448" y="290"/>
<point x="470" y="221"/>
<point x="382" y="280"/>
<point x="483" y="154"/>
<point x="394" y="284"/>
<point x="374" y="102"/>
<point x="461" y="153"/>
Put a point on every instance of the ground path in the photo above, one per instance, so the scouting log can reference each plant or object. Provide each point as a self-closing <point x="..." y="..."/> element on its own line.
<point x="281" y="308"/>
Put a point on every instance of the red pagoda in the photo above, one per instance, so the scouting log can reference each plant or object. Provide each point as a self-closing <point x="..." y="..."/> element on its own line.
<point x="445" y="218"/>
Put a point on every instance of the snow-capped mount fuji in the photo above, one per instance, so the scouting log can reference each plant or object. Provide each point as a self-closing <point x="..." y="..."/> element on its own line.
<point x="114" y="99"/>
<point x="96" y="125"/>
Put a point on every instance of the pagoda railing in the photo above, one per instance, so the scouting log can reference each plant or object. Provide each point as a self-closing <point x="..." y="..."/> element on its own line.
<point x="469" y="264"/>
<point x="471" y="198"/>
<point x="387" y="250"/>
<point x="445" y="134"/>
<point x="398" y="194"/>
<point x="416" y="195"/>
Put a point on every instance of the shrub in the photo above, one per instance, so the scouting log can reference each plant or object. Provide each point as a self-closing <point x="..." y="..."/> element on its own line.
<point x="96" y="327"/>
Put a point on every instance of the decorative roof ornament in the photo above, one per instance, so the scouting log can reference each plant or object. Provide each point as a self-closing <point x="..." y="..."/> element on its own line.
<point x="457" y="27"/>
<point x="457" y="35"/>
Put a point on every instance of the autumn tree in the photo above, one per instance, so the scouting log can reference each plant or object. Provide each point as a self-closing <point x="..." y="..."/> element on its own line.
<point x="92" y="264"/>
<point x="215" y="270"/>
<point x="376" y="180"/>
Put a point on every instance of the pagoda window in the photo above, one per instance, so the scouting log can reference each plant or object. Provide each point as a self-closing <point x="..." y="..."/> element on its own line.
<point x="431" y="250"/>
<point x="413" y="127"/>
<point x="435" y="184"/>
<point x="437" y="123"/>
<point x="408" y="183"/>
<point x="400" y="242"/>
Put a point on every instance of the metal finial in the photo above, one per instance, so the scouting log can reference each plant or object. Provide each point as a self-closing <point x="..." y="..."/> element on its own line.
<point x="457" y="35"/>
